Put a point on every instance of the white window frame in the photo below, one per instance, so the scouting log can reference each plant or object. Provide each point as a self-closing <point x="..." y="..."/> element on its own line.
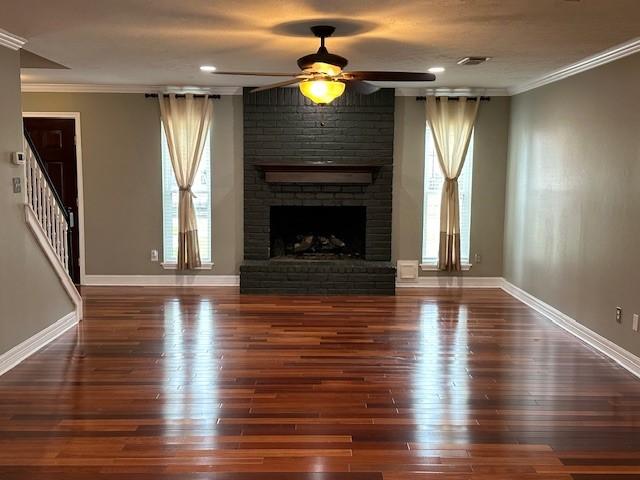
<point x="466" y="182"/>
<point x="206" y="164"/>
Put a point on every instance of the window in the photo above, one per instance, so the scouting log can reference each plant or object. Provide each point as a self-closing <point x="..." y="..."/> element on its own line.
<point x="202" y="201"/>
<point x="433" y="180"/>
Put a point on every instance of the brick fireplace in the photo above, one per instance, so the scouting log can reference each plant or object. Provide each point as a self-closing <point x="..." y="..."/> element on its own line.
<point x="318" y="194"/>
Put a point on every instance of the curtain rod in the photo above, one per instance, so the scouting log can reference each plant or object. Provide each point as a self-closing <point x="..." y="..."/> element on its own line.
<point x="455" y="99"/>
<point x="178" y="95"/>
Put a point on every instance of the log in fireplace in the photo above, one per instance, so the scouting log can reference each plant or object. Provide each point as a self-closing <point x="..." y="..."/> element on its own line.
<point x="318" y="233"/>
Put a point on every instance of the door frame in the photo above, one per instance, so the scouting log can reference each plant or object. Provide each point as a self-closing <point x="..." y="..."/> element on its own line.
<point x="76" y="117"/>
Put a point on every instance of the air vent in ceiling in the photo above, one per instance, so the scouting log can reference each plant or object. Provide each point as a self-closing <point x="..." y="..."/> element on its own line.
<point x="473" y="60"/>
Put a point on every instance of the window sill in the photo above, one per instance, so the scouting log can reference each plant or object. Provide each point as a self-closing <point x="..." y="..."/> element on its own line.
<point x="432" y="267"/>
<point x="173" y="266"/>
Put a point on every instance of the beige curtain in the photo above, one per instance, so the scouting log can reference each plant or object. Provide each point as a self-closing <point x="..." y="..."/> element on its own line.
<point x="186" y="122"/>
<point x="451" y="123"/>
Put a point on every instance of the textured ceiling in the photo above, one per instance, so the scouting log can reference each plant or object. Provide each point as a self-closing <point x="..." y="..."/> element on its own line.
<point x="163" y="42"/>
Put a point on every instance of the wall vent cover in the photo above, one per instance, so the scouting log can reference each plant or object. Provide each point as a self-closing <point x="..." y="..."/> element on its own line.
<point x="407" y="270"/>
<point x="473" y="60"/>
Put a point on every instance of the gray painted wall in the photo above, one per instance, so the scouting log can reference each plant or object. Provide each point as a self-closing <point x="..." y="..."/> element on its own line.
<point x="31" y="297"/>
<point x="121" y="163"/>
<point x="489" y="171"/>
<point x="122" y="182"/>
<point x="572" y="226"/>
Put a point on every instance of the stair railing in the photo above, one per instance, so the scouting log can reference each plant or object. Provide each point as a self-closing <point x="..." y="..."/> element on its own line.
<point x="46" y="204"/>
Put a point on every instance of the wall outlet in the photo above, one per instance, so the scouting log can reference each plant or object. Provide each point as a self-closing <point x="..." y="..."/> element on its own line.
<point x="477" y="258"/>
<point x="635" y="322"/>
<point x="154" y="255"/>
<point x="619" y="314"/>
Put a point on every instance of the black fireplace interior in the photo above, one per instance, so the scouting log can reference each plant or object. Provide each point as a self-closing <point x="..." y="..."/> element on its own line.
<point x="318" y="233"/>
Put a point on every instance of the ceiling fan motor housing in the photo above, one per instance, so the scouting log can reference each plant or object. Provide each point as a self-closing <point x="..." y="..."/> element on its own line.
<point x="322" y="55"/>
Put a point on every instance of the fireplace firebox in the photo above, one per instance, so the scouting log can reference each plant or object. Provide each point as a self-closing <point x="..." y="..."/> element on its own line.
<point x="318" y="233"/>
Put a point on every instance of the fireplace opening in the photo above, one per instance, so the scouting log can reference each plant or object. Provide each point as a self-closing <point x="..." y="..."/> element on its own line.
<point x="318" y="233"/>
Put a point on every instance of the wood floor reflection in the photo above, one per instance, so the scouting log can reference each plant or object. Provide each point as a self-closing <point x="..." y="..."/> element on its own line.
<point x="162" y="383"/>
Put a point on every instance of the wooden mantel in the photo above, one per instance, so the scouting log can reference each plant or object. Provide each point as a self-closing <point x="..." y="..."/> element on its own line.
<point x="318" y="172"/>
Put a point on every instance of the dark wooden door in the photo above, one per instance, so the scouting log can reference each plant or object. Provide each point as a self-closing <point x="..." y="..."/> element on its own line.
<point x="54" y="139"/>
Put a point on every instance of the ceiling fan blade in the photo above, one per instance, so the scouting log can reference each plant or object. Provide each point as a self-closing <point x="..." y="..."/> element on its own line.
<point x="392" y="76"/>
<point x="258" y="74"/>
<point x="276" y="85"/>
<point x="363" y="88"/>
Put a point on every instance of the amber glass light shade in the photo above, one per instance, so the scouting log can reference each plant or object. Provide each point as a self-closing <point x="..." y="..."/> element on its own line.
<point x="326" y="68"/>
<point x="322" y="91"/>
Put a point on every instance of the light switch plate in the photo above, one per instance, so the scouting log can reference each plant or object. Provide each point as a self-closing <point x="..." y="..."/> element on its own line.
<point x="635" y="322"/>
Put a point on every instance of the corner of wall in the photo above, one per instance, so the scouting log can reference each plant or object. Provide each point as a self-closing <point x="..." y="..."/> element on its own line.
<point x="31" y="297"/>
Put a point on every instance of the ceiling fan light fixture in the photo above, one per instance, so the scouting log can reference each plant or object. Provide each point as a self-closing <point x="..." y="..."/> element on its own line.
<point x="436" y="70"/>
<point x="208" y="68"/>
<point x="322" y="79"/>
<point x="322" y="91"/>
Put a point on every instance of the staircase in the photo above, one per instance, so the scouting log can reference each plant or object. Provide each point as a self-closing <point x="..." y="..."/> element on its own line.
<point x="48" y="219"/>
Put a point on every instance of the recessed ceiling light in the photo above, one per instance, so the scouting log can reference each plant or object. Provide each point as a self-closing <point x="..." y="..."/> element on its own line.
<point x="208" y="68"/>
<point x="436" y="70"/>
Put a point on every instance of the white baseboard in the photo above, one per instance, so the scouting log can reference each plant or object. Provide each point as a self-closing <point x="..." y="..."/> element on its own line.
<point x="452" y="281"/>
<point x="31" y="345"/>
<point x="163" y="280"/>
<point x="618" y="354"/>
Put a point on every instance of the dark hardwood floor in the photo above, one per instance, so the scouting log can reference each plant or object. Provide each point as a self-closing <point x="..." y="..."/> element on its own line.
<point x="161" y="383"/>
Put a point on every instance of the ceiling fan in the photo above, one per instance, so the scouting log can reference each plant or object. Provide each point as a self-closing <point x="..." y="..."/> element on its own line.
<point x="323" y="79"/>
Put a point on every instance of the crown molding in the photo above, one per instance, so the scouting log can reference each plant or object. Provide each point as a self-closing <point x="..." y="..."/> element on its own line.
<point x="615" y="53"/>
<point x="9" y="40"/>
<point x="452" y="92"/>
<point x="606" y="56"/>
<point x="92" y="88"/>
<point x="108" y="88"/>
